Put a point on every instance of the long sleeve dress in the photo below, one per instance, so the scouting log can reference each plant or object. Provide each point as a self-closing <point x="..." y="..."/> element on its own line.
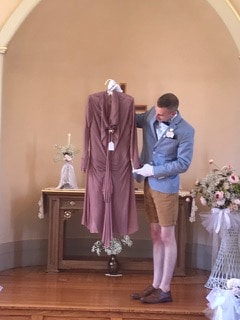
<point x="109" y="204"/>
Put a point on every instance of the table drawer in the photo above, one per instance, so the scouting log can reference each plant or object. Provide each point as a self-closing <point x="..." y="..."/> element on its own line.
<point x="70" y="203"/>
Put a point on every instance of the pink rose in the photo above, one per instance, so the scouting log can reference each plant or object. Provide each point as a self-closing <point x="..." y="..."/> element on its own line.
<point x="233" y="178"/>
<point x="219" y="195"/>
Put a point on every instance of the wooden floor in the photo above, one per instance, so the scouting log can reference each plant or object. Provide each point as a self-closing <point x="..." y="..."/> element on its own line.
<point x="31" y="293"/>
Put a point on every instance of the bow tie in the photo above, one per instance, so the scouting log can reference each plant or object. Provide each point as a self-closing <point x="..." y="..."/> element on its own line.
<point x="167" y="123"/>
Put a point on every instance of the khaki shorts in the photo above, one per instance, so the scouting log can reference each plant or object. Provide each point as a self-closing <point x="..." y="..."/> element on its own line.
<point x="160" y="207"/>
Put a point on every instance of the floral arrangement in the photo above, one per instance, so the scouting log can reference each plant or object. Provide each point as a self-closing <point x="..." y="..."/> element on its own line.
<point x="62" y="151"/>
<point x="67" y="151"/>
<point x="115" y="247"/>
<point x="219" y="189"/>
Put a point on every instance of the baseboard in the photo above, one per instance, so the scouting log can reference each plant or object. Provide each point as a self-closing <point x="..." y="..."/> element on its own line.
<point x="34" y="252"/>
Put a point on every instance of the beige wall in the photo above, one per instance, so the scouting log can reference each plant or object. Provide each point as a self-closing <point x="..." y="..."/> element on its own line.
<point x="65" y="50"/>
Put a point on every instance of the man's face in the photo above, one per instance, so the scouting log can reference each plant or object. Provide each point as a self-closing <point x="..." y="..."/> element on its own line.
<point x="163" y="114"/>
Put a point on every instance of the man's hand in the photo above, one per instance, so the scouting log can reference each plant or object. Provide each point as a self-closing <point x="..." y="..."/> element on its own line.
<point x="145" y="171"/>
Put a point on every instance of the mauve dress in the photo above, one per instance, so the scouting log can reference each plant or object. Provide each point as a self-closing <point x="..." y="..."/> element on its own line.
<point x="109" y="203"/>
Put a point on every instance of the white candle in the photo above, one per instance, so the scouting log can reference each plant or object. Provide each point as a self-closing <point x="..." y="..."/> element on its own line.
<point x="69" y="139"/>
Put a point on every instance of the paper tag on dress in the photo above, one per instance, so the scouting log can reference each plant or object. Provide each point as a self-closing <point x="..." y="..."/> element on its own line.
<point x="111" y="146"/>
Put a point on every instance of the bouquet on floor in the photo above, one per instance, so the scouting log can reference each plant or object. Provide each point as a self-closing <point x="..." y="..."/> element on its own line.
<point x="115" y="247"/>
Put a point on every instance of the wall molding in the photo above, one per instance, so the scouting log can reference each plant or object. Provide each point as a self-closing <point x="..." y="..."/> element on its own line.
<point x="34" y="252"/>
<point x="230" y="17"/>
<point x="23" y="253"/>
<point x="224" y="8"/>
<point x="3" y="49"/>
<point x="14" y="21"/>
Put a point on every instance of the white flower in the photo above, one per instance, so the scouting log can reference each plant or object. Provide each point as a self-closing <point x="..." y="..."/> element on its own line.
<point x="115" y="247"/>
<point x="233" y="282"/>
<point x="234" y="285"/>
<point x="220" y="203"/>
<point x="97" y="247"/>
<point x="170" y="133"/>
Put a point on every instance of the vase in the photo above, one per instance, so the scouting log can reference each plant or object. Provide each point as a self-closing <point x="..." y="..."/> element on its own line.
<point x="113" y="265"/>
<point x="227" y="262"/>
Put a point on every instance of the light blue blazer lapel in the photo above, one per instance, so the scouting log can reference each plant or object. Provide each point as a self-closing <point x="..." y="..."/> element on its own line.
<point x="152" y="128"/>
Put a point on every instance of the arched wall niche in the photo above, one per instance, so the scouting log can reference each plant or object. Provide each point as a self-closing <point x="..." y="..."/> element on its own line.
<point x="11" y="25"/>
<point x="14" y="205"/>
<point x="226" y="9"/>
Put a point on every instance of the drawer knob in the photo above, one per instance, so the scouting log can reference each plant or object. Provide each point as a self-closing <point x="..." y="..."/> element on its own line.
<point x="72" y="203"/>
<point x="67" y="214"/>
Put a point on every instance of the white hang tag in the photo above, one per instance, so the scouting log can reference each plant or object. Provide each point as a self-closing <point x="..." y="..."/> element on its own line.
<point x="111" y="146"/>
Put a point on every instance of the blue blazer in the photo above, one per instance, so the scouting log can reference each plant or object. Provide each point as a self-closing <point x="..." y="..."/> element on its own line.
<point x="170" y="155"/>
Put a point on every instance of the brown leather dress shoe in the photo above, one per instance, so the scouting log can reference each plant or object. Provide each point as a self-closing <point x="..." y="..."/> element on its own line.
<point x="144" y="293"/>
<point x="157" y="296"/>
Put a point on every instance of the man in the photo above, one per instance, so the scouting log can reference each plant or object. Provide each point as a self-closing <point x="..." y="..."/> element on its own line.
<point x="167" y="151"/>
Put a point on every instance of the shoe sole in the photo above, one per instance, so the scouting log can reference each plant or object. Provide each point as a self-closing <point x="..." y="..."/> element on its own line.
<point x="136" y="297"/>
<point x="159" y="301"/>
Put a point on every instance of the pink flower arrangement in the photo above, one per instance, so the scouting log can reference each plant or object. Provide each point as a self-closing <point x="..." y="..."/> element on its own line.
<point x="219" y="189"/>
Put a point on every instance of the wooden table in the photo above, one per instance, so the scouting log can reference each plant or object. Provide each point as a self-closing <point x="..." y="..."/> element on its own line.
<point x="61" y="205"/>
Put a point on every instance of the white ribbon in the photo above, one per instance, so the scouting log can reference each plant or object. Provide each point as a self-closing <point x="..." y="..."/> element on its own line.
<point x="219" y="313"/>
<point x="223" y="216"/>
<point x="223" y="305"/>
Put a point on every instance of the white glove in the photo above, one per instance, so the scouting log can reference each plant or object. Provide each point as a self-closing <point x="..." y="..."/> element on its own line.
<point x="145" y="171"/>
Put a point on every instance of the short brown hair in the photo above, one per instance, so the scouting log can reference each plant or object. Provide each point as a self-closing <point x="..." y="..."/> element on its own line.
<point x="169" y="101"/>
